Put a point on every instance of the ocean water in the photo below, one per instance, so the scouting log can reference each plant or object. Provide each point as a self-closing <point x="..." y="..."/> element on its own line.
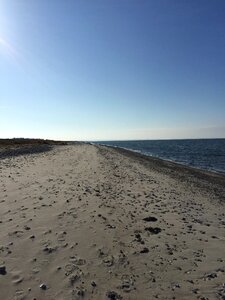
<point x="206" y="154"/>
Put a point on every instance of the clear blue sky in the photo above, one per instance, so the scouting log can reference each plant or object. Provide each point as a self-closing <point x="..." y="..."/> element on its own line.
<point x="112" y="69"/>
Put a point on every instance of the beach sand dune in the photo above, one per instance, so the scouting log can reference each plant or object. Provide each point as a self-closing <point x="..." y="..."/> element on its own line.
<point x="92" y="222"/>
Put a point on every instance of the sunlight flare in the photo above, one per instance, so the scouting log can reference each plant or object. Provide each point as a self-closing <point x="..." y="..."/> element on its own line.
<point x="6" y="47"/>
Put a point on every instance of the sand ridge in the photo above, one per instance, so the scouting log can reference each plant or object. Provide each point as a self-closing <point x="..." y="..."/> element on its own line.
<point x="88" y="222"/>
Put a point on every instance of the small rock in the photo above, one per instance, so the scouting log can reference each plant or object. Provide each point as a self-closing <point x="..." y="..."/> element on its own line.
<point x="113" y="295"/>
<point x="2" y="270"/>
<point x="26" y="227"/>
<point x="154" y="230"/>
<point x="150" y="219"/>
<point x="49" y="249"/>
<point x="210" y="276"/>
<point x="43" y="286"/>
<point x="144" y="250"/>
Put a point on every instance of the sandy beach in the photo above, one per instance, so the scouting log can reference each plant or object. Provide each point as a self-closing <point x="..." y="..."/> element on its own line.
<point x="93" y="222"/>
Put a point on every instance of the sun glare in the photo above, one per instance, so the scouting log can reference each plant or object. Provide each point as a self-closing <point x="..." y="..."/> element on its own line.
<point x="6" y="47"/>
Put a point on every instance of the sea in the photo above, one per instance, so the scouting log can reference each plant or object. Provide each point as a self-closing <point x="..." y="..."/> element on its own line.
<point x="207" y="154"/>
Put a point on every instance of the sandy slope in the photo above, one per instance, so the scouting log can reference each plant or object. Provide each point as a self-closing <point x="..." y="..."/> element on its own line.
<point x="73" y="220"/>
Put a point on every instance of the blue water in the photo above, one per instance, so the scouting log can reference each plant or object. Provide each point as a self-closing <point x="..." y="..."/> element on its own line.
<point x="206" y="154"/>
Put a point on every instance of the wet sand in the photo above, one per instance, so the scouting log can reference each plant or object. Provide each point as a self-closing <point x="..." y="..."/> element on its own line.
<point x="93" y="222"/>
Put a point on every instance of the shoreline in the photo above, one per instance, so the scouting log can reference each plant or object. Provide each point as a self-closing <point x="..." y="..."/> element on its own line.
<point x="175" y="169"/>
<point x="164" y="159"/>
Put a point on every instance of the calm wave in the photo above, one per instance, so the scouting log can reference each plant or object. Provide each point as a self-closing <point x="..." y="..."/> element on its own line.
<point x="206" y="154"/>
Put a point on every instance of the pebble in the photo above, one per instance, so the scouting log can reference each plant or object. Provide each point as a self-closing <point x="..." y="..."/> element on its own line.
<point x="43" y="286"/>
<point x="144" y="250"/>
<point x="2" y="270"/>
<point x="150" y="219"/>
<point x="27" y="227"/>
<point x="154" y="230"/>
<point x="113" y="295"/>
<point x="211" y="276"/>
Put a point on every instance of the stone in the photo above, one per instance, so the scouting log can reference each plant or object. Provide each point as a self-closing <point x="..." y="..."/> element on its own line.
<point x="211" y="276"/>
<point x="144" y="250"/>
<point x="2" y="270"/>
<point x="26" y="227"/>
<point x="43" y="286"/>
<point x="150" y="219"/>
<point x="113" y="295"/>
<point x="153" y="230"/>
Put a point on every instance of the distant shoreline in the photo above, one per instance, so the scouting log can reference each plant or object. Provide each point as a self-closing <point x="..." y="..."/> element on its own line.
<point x="166" y="160"/>
<point x="159" y="149"/>
<point x="203" y="178"/>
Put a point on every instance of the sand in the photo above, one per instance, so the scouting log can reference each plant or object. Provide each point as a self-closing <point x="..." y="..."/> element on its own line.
<point x="93" y="222"/>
